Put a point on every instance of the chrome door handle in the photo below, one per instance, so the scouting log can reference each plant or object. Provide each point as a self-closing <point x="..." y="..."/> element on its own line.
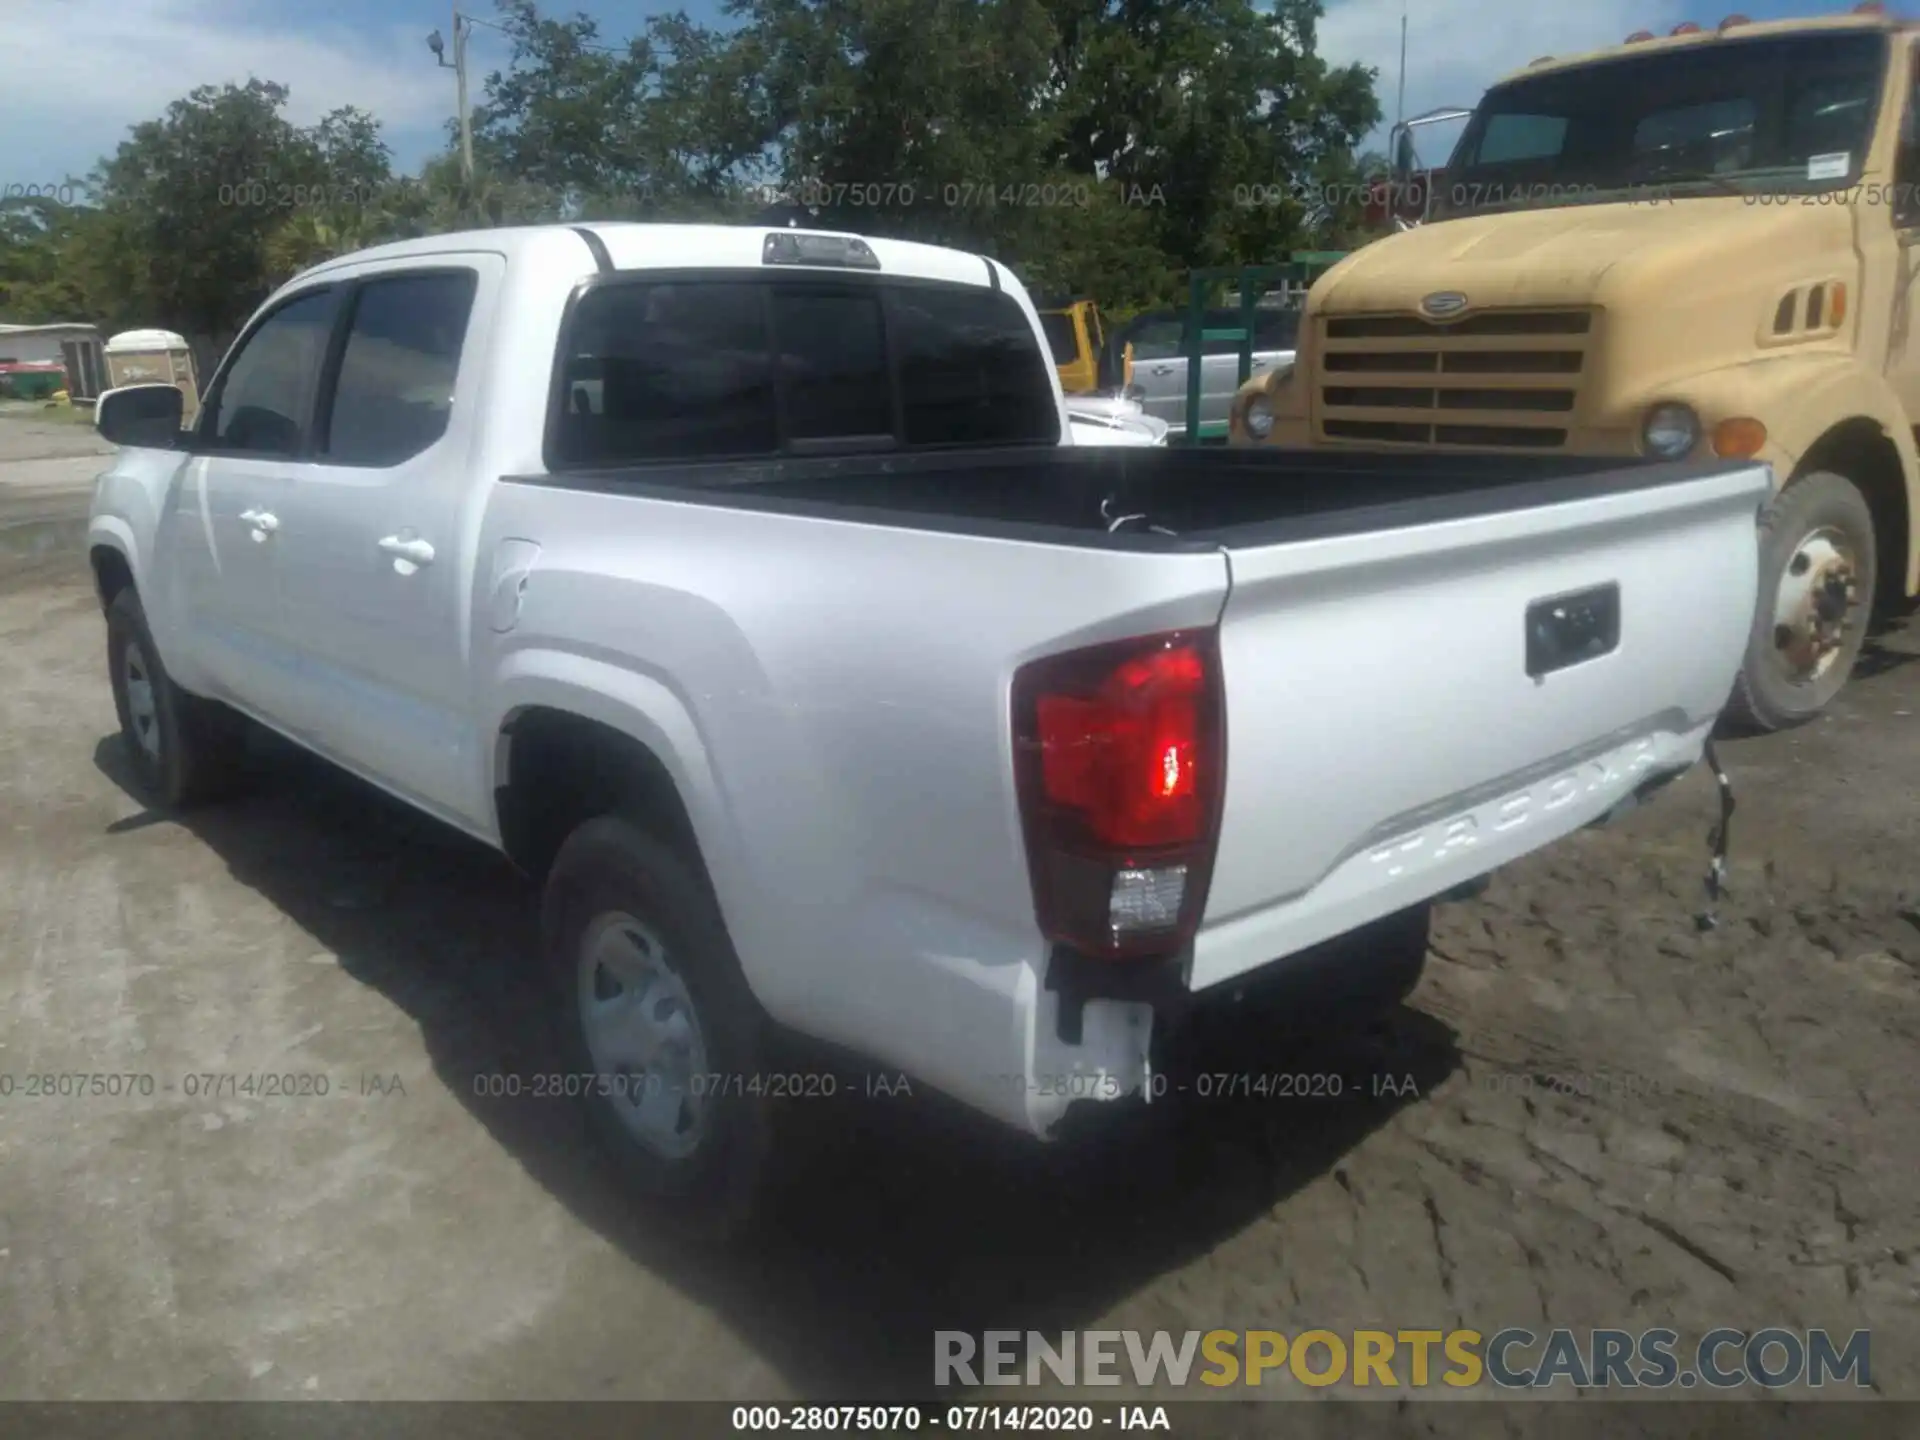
<point x="1163" y="369"/>
<point x="261" y="520"/>
<point x="417" y="552"/>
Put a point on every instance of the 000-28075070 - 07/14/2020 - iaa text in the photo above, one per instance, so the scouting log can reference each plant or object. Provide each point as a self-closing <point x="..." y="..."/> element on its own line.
<point x="965" y="1418"/>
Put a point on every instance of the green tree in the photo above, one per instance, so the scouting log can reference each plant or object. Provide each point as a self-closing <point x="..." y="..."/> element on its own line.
<point x="189" y="207"/>
<point x="667" y="124"/>
<point x="923" y="117"/>
<point x="1101" y="146"/>
<point x="1121" y="142"/>
<point x="41" y="245"/>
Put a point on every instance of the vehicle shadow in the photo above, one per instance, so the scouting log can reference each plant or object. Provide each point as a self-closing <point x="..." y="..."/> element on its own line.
<point x="1877" y="659"/>
<point x="907" y="1214"/>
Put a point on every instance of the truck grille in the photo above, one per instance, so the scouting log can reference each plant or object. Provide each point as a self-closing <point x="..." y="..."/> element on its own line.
<point x="1502" y="379"/>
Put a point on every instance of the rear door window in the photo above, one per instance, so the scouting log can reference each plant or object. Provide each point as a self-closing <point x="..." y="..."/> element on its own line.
<point x="394" y="395"/>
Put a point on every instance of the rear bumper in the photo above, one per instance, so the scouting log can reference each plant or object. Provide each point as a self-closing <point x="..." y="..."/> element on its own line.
<point x="1036" y="1035"/>
<point x="1349" y="978"/>
<point x="1022" y="1033"/>
<point x="1028" y="1044"/>
<point x="1094" y="1032"/>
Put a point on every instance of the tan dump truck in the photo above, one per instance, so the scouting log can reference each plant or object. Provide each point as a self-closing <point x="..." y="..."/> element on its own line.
<point x="1700" y="244"/>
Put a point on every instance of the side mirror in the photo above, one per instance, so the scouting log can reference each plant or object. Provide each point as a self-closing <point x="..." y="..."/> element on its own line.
<point x="1906" y="169"/>
<point x="145" y="417"/>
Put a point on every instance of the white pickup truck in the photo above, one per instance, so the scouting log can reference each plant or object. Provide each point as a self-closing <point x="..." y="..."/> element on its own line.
<point x="738" y="584"/>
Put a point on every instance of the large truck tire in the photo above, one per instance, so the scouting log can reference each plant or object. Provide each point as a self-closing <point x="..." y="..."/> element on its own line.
<point x="1817" y="554"/>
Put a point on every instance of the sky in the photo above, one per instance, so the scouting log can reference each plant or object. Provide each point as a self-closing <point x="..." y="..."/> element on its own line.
<point x="75" y="75"/>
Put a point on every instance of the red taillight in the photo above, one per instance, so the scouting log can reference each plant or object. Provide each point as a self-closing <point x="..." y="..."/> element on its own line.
<point x="1685" y="27"/>
<point x="1120" y="754"/>
<point x="1124" y="757"/>
<point x="1733" y="20"/>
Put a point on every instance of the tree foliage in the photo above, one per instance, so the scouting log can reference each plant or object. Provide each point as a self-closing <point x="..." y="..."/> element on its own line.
<point x="1103" y="147"/>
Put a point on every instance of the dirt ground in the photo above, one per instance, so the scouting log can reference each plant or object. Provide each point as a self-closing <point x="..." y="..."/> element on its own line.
<point x="1743" y="1154"/>
<point x="47" y="468"/>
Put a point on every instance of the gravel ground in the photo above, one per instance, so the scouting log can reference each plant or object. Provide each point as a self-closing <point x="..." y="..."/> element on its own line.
<point x="1735" y="1144"/>
<point x="47" y="469"/>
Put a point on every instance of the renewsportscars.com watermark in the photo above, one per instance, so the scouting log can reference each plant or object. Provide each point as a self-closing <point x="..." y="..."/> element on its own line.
<point x="1510" y="1359"/>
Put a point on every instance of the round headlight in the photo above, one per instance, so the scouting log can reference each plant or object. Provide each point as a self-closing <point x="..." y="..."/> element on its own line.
<point x="1259" y="417"/>
<point x="1671" y="431"/>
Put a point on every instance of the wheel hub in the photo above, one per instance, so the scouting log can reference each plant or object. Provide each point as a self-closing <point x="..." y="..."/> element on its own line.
<point x="143" y="714"/>
<point x="1818" y="593"/>
<point x="643" y="1035"/>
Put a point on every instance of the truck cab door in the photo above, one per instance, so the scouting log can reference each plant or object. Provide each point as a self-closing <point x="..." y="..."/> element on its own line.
<point x="375" y="584"/>
<point x="225" y="541"/>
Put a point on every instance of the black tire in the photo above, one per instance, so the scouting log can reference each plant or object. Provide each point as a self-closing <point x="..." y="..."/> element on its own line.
<point x="609" y="868"/>
<point x="1766" y="695"/>
<point x="184" y="750"/>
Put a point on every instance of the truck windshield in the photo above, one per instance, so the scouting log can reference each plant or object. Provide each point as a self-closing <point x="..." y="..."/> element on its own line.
<point x="1746" y="117"/>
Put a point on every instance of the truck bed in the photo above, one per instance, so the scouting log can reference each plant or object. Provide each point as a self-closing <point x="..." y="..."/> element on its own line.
<point x="1174" y="499"/>
<point x="841" y="637"/>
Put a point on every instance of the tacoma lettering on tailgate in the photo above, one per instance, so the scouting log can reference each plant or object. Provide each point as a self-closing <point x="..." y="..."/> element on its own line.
<point x="1448" y="838"/>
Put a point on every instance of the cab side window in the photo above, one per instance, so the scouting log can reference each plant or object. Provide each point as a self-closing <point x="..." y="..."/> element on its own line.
<point x="263" y="402"/>
<point x="394" y="394"/>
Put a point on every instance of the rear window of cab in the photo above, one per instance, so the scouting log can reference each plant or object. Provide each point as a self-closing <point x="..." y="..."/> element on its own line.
<point x="671" y="368"/>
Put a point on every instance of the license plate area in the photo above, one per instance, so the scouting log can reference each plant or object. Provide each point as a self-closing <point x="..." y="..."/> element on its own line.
<point x="1571" y="629"/>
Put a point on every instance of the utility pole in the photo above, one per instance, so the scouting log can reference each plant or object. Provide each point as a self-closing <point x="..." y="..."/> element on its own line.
<point x="462" y="27"/>
<point x="1400" y="105"/>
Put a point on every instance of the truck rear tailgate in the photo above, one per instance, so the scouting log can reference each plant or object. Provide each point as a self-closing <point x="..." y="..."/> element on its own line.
<point x="1386" y="740"/>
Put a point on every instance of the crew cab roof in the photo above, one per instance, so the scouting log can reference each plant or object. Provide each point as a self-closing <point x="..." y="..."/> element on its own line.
<point x="1708" y="35"/>
<point x="635" y="246"/>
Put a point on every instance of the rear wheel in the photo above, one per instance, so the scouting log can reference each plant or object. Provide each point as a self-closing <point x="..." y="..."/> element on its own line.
<point x="656" y="1017"/>
<point x="1817" y="577"/>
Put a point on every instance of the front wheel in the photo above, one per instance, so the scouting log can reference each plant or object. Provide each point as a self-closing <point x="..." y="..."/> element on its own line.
<point x="1817" y="579"/>
<point x="184" y="750"/>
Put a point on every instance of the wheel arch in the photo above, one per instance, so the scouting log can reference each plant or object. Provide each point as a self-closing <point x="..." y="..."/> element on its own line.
<point x="1863" y="451"/>
<point x="1825" y="411"/>
<point x="559" y="768"/>
<point x="577" y="737"/>
<point x="110" y="556"/>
